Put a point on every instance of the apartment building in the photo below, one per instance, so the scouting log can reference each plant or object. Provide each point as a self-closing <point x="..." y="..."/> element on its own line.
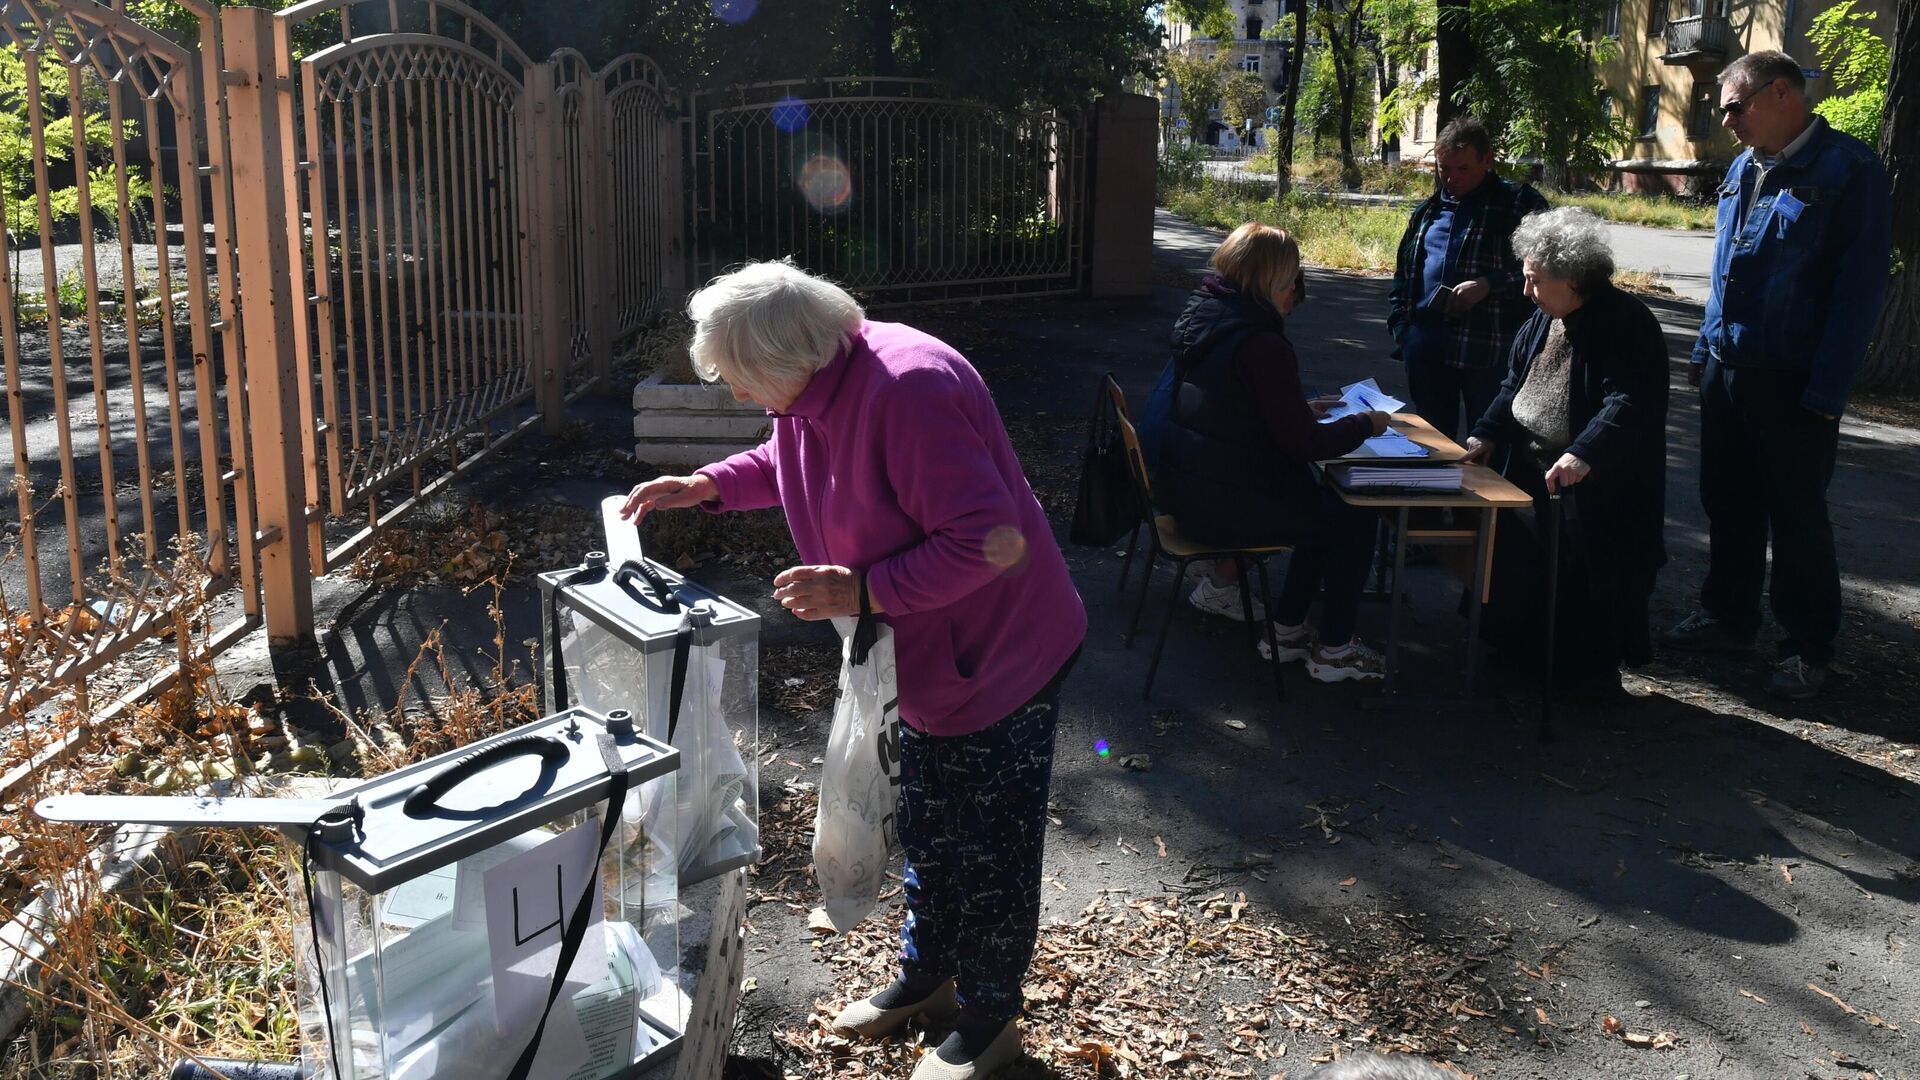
<point x="1246" y="47"/>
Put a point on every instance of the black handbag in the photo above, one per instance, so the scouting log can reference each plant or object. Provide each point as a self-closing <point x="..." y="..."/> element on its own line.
<point x="1107" y="507"/>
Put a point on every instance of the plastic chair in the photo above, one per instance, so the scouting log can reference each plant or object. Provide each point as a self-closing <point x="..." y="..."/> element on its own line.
<point x="1165" y="541"/>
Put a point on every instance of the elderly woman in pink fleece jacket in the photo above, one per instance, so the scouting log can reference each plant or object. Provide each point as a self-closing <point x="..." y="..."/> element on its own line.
<point x="901" y="486"/>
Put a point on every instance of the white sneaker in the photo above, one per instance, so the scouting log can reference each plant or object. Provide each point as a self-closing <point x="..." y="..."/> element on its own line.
<point x="1293" y="646"/>
<point x="1358" y="662"/>
<point x="1223" y="600"/>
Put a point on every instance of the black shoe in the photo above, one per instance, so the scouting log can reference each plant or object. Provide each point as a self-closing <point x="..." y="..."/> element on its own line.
<point x="1794" y="678"/>
<point x="1702" y="632"/>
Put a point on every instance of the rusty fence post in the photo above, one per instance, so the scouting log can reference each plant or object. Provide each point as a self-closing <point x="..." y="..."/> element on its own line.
<point x="544" y="222"/>
<point x="268" y="301"/>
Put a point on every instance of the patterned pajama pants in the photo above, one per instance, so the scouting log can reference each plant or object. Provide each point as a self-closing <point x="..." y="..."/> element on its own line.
<point x="973" y="819"/>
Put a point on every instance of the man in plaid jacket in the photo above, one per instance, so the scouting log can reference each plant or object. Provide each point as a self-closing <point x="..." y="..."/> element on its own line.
<point x="1456" y="302"/>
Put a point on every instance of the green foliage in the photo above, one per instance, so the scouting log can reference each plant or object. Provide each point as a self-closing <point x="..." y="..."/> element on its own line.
<point x="1243" y="98"/>
<point x="1181" y="163"/>
<point x="1209" y="18"/>
<point x="1012" y="53"/>
<point x="1317" y="112"/>
<point x="1535" y="84"/>
<point x="17" y="185"/>
<point x="1404" y="30"/>
<point x="1859" y="62"/>
<point x="1858" y="114"/>
<point x="1202" y="76"/>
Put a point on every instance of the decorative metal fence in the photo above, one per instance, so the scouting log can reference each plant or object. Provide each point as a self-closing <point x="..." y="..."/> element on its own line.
<point x="891" y="187"/>
<point x="131" y="452"/>
<point x="266" y="293"/>
<point x="410" y="190"/>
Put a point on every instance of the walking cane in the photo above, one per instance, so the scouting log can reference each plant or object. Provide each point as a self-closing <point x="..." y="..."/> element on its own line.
<point x="1553" y="612"/>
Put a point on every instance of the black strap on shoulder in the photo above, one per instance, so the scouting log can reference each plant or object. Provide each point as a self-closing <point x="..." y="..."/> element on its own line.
<point x="576" y="930"/>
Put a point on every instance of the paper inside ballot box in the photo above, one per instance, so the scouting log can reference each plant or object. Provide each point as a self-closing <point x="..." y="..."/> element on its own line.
<point x="441" y="995"/>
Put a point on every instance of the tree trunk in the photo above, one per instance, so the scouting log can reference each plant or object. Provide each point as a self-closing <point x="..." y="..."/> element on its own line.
<point x="1893" y="362"/>
<point x="1296" y="57"/>
<point x="1344" y="41"/>
<point x="1385" y="80"/>
<point x="1453" y="46"/>
<point x="879" y="28"/>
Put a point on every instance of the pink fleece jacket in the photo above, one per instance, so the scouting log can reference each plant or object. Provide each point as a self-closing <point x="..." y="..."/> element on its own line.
<point x="894" y="461"/>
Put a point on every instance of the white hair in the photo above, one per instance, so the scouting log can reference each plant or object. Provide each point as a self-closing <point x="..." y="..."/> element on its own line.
<point x="769" y="326"/>
<point x="1569" y="244"/>
<point x="1376" y="1067"/>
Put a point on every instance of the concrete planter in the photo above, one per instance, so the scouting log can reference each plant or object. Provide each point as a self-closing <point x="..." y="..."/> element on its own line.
<point x="692" y="424"/>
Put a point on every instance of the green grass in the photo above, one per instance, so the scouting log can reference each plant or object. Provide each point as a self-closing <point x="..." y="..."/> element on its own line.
<point x="1330" y="234"/>
<point x="1659" y="211"/>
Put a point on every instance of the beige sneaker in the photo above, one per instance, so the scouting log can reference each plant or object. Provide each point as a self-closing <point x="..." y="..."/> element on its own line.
<point x="1358" y="662"/>
<point x="1004" y="1050"/>
<point x="869" y="1021"/>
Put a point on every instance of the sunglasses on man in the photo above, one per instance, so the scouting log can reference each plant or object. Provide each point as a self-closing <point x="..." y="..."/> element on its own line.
<point x="1740" y="106"/>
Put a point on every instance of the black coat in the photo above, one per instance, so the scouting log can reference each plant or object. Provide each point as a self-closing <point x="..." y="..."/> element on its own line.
<point x="1617" y="407"/>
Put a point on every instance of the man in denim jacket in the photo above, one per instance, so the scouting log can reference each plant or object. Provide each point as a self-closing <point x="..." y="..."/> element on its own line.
<point x="1800" y="267"/>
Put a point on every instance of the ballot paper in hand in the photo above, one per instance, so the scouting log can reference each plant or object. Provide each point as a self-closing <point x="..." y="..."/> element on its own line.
<point x="1361" y="397"/>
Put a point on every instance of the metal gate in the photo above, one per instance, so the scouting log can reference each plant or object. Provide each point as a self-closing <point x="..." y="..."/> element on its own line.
<point x="269" y="292"/>
<point x="131" y="464"/>
<point x="891" y="187"/>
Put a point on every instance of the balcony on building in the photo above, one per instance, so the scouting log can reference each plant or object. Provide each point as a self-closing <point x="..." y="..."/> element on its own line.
<point x="1697" y="39"/>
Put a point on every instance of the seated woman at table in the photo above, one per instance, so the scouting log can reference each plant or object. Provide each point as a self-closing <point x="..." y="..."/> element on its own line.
<point x="1583" y="412"/>
<point x="1237" y="434"/>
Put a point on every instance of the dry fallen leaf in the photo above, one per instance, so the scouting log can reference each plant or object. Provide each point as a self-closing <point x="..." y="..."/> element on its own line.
<point x="1634" y="1038"/>
<point x="1541" y="1013"/>
<point x="1612" y="1025"/>
<point x="818" y="922"/>
<point x="1786" y="873"/>
<point x="1754" y="996"/>
<point x="1349" y="883"/>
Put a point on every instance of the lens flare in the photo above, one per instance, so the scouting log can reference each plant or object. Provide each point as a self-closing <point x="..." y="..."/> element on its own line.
<point x="1100" y="747"/>
<point x="735" y="11"/>
<point x="1005" y="546"/>
<point x="825" y="183"/>
<point x="790" y="114"/>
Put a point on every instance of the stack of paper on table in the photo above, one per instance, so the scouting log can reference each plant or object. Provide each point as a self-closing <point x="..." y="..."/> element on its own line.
<point x="1401" y="477"/>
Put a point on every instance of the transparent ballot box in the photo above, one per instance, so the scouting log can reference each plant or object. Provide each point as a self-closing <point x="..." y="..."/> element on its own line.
<point x="432" y="930"/>
<point x="634" y="631"/>
<point x="434" y="905"/>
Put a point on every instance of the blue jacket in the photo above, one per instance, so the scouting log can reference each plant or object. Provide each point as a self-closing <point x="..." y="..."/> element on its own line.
<point x="1798" y="281"/>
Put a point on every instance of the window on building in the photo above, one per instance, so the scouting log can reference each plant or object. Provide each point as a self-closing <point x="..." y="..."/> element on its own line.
<point x="1649" y="112"/>
<point x="1657" y="17"/>
<point x="1250" y="63"/>
<point x="1419" y="125"/>
<point x="1254" y="26"/>
<point x="1612" y="25"/>
<point x="1700" y="117"/>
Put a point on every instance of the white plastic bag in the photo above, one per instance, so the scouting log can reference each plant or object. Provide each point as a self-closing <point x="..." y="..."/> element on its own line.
<point x="860" y="782"/>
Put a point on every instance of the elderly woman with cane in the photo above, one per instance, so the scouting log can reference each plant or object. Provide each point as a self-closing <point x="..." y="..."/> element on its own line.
<point x="1582" y="414"/>
<point x="905" y="499"/>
